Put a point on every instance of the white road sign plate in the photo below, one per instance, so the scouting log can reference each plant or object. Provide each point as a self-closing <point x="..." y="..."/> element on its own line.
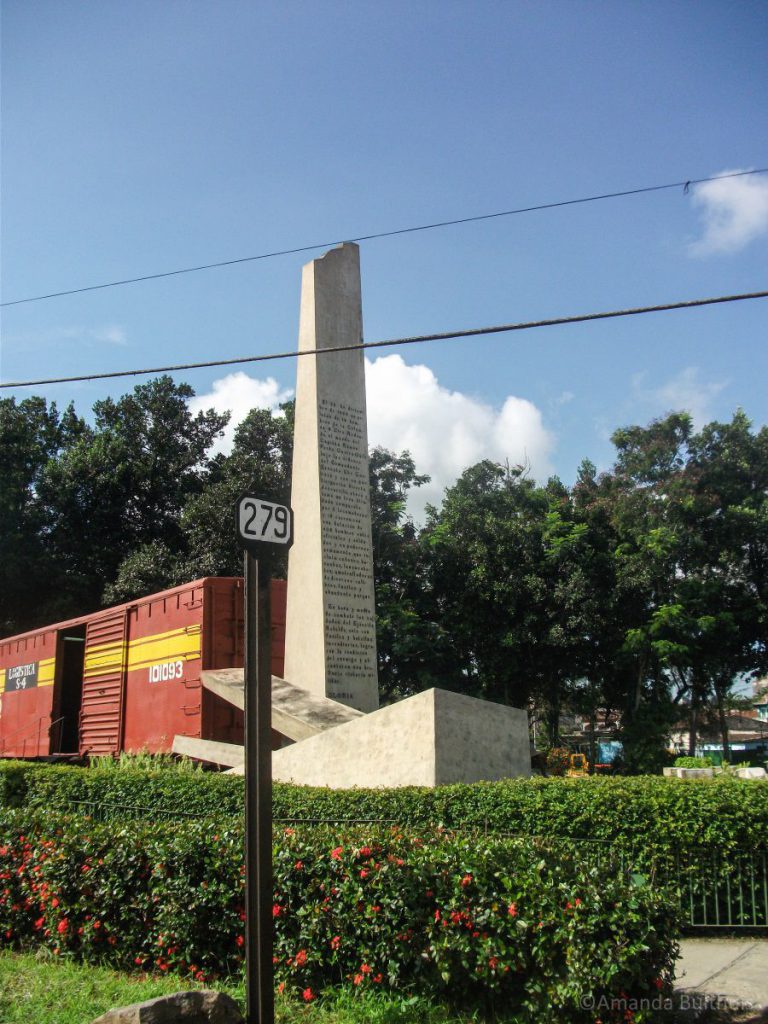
<point x="261" y="522"/>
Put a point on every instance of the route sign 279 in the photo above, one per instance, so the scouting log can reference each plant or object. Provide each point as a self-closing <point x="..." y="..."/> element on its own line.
<point x="263" y="525"/>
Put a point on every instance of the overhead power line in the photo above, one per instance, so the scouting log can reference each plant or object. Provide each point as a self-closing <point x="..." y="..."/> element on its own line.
<point x="387" y="234"/>
<point x="413" y="340"/>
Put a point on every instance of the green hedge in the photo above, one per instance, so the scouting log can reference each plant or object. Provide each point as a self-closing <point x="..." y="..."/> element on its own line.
<point x="722" y="814"/>
<point x="476" y="922"/>
<point x="57" y="787"/>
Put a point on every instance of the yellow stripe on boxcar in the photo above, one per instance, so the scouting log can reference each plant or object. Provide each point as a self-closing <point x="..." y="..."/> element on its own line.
<point x="175" y="645"/>
<point x="104" y="658"/>
<point x="46" y="672"/>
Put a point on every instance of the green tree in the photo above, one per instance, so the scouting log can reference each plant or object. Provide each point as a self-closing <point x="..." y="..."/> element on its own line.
<point x="726" y="582"/>
<point x="689" y="513"/>
<point x="205" y="543"/>
<point x="32" y="435"/>
<point x="260" y="462"/>
<point x="408" y="639"/>
<point x="123" y="484"/>
<point x="645" y="489"/>
<point x="484" y="576"/>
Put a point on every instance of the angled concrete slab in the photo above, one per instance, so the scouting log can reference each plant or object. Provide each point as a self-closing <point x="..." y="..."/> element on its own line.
<point x="213" y="751"/>
<point x="296" y="713"/>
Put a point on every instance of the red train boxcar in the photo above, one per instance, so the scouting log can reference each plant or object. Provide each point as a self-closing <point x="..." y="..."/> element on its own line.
<point x="128" y="678"/>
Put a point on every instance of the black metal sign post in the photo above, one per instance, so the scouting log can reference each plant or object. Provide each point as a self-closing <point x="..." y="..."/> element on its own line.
<point x="262" y="526"/>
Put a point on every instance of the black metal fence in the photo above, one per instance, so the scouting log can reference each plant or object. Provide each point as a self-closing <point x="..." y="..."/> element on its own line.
<point x="718" y="891"/>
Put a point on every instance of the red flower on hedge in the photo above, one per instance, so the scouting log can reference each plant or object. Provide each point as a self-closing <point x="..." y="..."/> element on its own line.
<point x="276" y="910"/>
<point x="335" y="942"/>
<point x="308" y="995"/>
<point x="301" y="958"/>
<point x="62" y="926"/>
<point x="336" y="854"/>
<point x="466" y="880"/>
<point x="512" y="911"/>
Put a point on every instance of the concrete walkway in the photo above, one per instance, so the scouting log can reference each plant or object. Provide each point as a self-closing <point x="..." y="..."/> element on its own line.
<point x="730" y="974"/>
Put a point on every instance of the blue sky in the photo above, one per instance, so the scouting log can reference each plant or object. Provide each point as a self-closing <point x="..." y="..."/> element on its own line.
<point x="141" y="137"/>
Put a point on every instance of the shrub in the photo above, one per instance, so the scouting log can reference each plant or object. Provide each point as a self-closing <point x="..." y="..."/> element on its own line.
<point x="481" y="922"/>
<point x="633" y="814"/>
<point x="144" y="785"/>
<point x="147" y="762"/>
<point x="693" y="762"/>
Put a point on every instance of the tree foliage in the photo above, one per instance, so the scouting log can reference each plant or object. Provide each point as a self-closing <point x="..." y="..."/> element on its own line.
<point x="33" y="435"/>
<point x="123" y="484"/>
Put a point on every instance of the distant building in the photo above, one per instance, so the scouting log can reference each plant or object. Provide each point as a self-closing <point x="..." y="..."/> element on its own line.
<point x="747" y="735"/>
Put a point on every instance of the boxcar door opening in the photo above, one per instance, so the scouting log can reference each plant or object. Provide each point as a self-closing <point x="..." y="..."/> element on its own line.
<point x="68" y="690"/>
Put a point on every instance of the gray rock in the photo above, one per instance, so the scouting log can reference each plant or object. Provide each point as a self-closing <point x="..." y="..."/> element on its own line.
<point x="203" y="1006"/>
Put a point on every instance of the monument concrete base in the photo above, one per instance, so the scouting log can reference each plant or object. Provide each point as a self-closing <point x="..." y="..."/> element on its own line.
<point x="434" y="738"/>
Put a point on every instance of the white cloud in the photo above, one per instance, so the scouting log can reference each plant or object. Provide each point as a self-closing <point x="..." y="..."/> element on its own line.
<point x="111" y="335"/>
<point x="447" y="431"/>
<point x="238" y="393"/>
<point x="734" y="212"/>
<point x="687" y="391"/>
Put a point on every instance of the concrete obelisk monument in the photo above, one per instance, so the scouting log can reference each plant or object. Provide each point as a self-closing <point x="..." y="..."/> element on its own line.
<point x="330" y="636"/>
<point x="433" y="738"/>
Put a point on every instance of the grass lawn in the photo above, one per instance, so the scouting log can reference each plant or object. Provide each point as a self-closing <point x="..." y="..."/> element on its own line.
<point x="37" y="989"/>
<point x="42" y="989"/>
